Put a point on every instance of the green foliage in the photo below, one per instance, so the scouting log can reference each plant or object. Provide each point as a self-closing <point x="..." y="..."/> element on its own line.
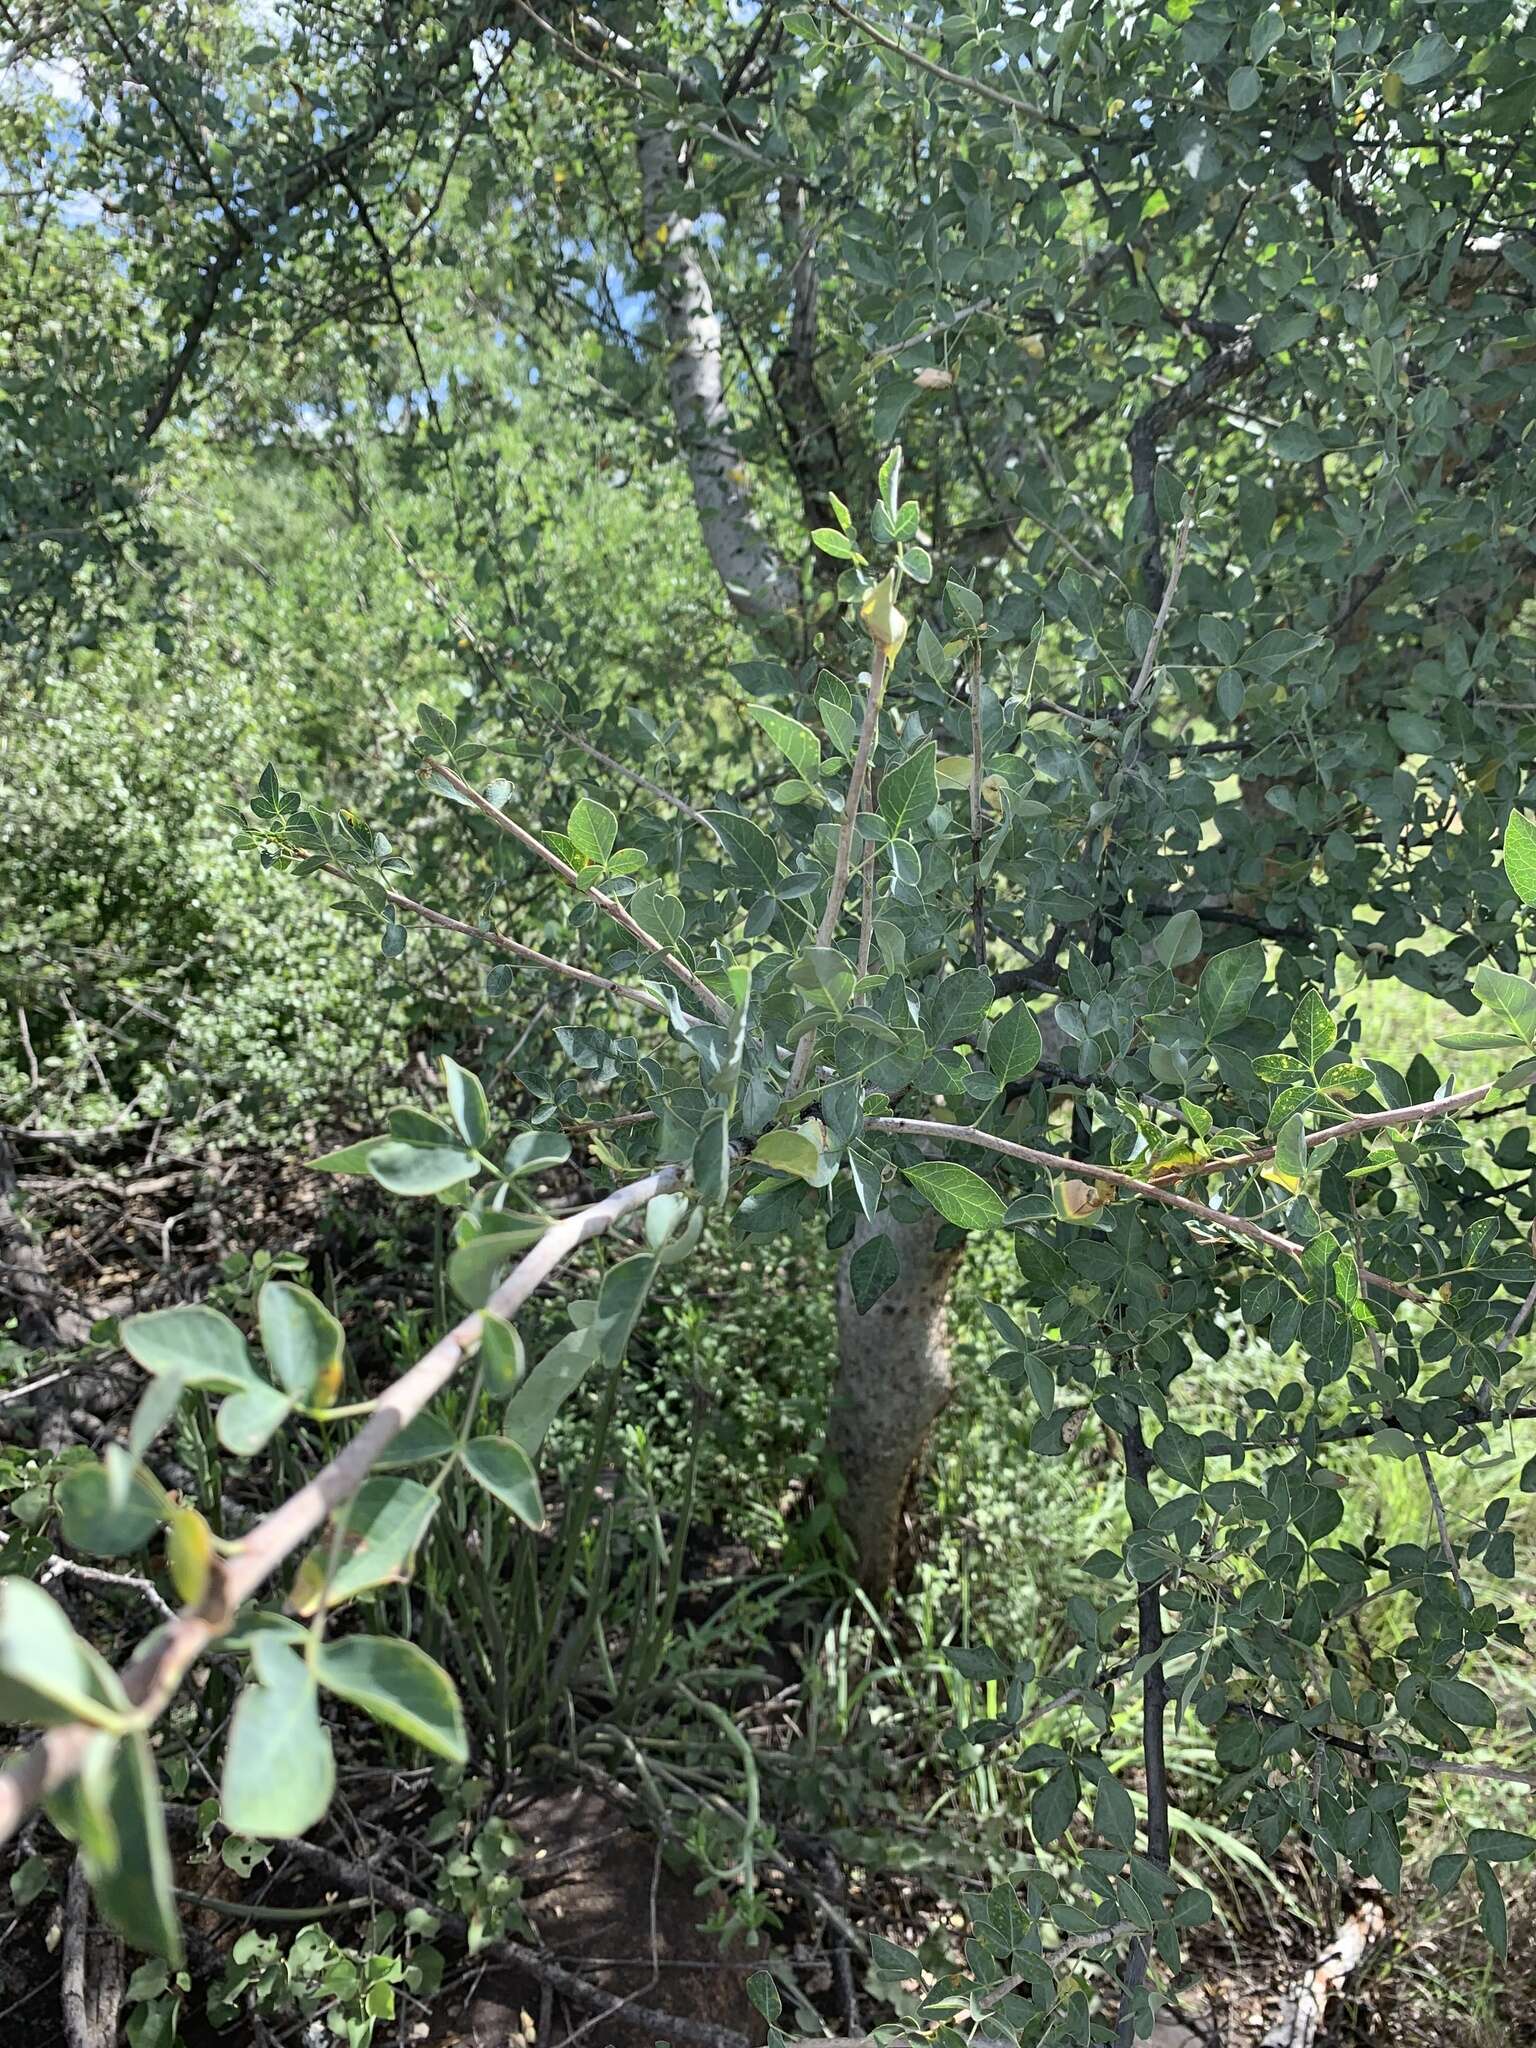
<point x="1206" y="334"/>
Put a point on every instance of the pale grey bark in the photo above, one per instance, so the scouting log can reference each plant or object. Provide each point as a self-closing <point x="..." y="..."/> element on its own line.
<point x="894" y="1377"/>
<point x="893" y="1366"/>
<point x="91" y="1971"/>
<point x="759" y="583"/>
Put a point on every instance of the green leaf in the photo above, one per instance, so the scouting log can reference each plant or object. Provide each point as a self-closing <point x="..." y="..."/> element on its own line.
<point x="113" y="1811"/>
<point x="1114" y="1816"/>
<point x="909" y="791"/>
<point x="874" y="1267"/>
<point x="407" y="1169"/>
<point x="1181" y="1454"/>
<point x="1278" y="1069"/>
<point x="1180" y="939"/>
<point x="796" y="742"/>
<point x="1520" y="856"/>
<point x="502" y="1360"/>
<point x="98" y="1526"/>
<point x="1430" y="55"/>
<point x="1296" y="441"/>
<point x="751" y="854"/>
<point x="711" y="1163"/>
<point x="380" y="1529"/>
<point x="1052" y="1808"/>
<point x="593" y="830"/>
<point x="833" y="543"/>
<point x="504" y="1469"/>
<point x="1493" y="1914"/>
<point x="960" y="1196"/>
<point x="1509" y="996"/>
<point x="1243" y="88"/>
<point x="279" y="1772"/>
<point x="246" y="1423"/>
<point x="1288" y="1168"/>
<point x="1347" y="1078"/>
<point x="1499" y="1845"/>
<point x="48" y="1675"/>
<point x="551" y="1383"/>
<point x="957" y="1006"/>
<point x="762" y="1992"/>
<point x="199" y="1343"/>
<point x="1228" y="985"/>
<point x="400" y="1685"/>
<point x="1465" y="1704"/>
<point x="1312" y="1028"/>
<point x="467" y="1104"/>
<point x="425" y="1440"/>
<point x="533" y="1151"/>
<point x="29" y="1881"/>
<point x="476" y="1269"/>
<point x="1014" y="1044"/>
<point x="825" y="972"/>
<point x="302" y="1340"/>
<point x="350" y="1159"/>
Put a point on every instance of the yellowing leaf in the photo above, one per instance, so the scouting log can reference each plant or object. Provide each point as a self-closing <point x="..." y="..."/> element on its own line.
<point x="797" y="1152"/>
<point x="885" y="624"/>
<point x="189" y="1554"/>
<point x="1079" y="1201"/>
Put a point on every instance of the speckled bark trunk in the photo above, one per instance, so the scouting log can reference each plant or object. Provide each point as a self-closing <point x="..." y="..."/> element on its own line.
<point x="893" y="1378"/>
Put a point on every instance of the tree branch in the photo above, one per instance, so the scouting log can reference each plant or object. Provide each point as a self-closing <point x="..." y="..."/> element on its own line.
<point x="528" y="954"/>
<point x="758" y="582"/>
<point x="605" y="903"/>
<point x="1090" y="1169"/>
<point x="155" y="1672"/>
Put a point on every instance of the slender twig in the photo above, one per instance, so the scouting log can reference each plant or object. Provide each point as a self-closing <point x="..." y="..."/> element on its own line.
<point x="867" y="913"/>
<point x="1160" y="623"/>
<point x="978" y="86"/>
<point x="1397" y="1756"/>
<point x="866" y="747"/>
<point x="843" y="858"/>
<point x="155" y="1672"/>
<point x="530" y="954"/>
<point x="978" y="893"/>
<point x="1090" y="1169"/>
<point x="1517" y="1322"/>
<point x="122" y="1582"/>
<point x="1370" y="1120"/>
<point x="1447" y="1548"/>
<point x="609" y="906"/>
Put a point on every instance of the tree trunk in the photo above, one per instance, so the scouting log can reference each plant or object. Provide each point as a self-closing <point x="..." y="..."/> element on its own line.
<point x="893" y="1378"/>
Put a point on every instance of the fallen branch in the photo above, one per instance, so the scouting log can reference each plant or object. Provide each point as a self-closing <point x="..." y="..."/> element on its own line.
<point x="156" y="1670"/>
<point x="1301" y="2015"/>
<point x="364" y="1878"/>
